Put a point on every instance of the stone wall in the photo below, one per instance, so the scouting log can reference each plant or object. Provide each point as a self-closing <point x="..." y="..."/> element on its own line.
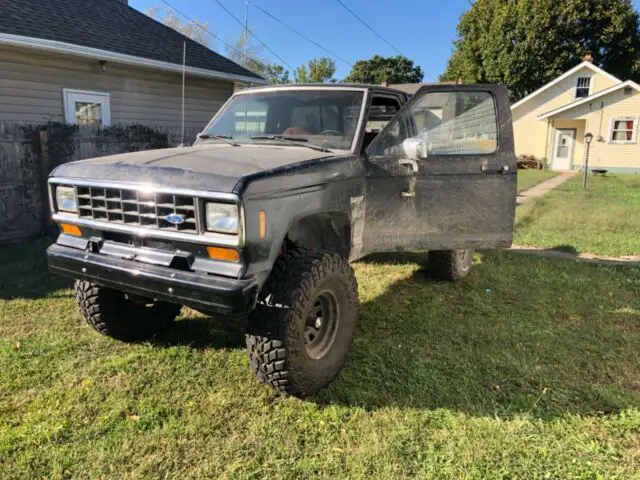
<point x="29" y="152"/>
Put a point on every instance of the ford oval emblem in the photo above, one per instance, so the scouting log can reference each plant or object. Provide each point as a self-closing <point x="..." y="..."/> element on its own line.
<point x="175" y="218"/>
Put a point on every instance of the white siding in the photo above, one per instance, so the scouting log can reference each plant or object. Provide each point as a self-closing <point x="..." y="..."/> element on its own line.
<point x="31" y="90"/>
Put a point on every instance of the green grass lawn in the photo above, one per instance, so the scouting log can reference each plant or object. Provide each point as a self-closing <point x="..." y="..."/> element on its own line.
<point x="530" y="368"/>
<point x="604" y="220"/>
<point x="529" y="178"/>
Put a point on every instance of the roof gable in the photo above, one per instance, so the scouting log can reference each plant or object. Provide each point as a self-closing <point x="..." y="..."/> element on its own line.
<point x="560" y="78"/>
<point x="113" y="26"/>
<point x="590" y="98"/>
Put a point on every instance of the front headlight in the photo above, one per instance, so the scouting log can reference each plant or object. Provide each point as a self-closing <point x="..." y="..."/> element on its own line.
<point x="222" y="217"/>
<point x="66" y="199"/>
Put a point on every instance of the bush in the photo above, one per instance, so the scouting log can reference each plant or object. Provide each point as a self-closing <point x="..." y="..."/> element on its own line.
<point x="529" y="161"/>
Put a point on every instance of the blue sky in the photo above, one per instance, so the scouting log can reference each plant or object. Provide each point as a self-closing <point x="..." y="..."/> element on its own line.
<point x="423" y="30"/>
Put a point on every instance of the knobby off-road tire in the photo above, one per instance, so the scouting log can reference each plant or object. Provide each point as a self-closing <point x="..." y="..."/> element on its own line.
<point x="450" y="265"/>
<point x="302" y="328"/>
<point x="111" y="313"/>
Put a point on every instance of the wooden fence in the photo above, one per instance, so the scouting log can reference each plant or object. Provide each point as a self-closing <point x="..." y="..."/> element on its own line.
<point x="29" y="152"/>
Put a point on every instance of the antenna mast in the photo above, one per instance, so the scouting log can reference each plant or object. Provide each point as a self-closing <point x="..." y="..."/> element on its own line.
<point x="184" y="71"/>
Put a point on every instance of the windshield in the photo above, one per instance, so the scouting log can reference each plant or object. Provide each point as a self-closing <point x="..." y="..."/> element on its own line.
<point x="326" y="118"/>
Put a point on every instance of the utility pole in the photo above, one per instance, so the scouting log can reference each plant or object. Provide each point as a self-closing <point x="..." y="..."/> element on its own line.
<point x="587" y="138"/>
<point x="246" y="31"/>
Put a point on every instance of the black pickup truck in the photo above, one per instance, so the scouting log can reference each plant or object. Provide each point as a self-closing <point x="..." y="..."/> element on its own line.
<point x="262" y="215"/>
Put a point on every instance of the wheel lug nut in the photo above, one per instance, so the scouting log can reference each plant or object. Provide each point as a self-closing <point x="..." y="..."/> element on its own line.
<point x="318" y="322"/>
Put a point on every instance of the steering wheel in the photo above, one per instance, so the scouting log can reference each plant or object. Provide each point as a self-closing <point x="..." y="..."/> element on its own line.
<point x="331" y="132"/>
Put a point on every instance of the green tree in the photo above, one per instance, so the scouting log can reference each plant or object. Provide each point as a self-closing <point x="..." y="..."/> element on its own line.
<point x="398" y="69"/>
<point x="318" y="70"/>
<point x="527" y="43"/>
<point x="275" y="73"/>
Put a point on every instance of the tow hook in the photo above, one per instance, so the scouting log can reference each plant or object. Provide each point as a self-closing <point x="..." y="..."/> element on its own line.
<point x="94" y="245"/>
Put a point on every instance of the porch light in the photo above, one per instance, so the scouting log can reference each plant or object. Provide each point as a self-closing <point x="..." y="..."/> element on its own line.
<point x="587" y="138"/>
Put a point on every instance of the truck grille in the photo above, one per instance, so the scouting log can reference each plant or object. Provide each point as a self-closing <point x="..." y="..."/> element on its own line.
<point x="138" y="209"/>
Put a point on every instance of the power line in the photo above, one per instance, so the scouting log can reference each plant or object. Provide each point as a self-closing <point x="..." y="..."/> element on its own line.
<point x="376" y="33"/>
<point x="368" y="27"/>
<point x="197" y="24"/>
<point x="300" y="34"/>
<point x="254" y="35"/>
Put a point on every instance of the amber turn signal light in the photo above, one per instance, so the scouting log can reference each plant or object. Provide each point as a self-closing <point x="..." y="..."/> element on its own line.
<point x="226" y="254"/>
<point x="70" y="229"/>
<point x="262" y="224"/>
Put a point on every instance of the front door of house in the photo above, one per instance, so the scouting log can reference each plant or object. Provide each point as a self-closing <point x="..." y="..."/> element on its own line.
<point x="563" y="147"/>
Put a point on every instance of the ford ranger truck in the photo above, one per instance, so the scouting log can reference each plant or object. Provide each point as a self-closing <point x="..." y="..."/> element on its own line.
<point x="262" y="216"/>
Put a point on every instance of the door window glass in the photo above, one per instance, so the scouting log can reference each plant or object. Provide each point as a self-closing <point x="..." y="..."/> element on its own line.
<point x="443" y="123"/>
<point x="563" y="147"/>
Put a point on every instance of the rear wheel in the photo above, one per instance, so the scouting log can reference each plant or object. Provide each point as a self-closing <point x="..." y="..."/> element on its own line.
<point x="302" y="328"/>
<point x="121" y="316"/>
<point x="451" y="265"/>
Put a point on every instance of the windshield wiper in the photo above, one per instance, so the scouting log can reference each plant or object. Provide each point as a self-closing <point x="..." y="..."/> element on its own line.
<point x="292" y="141"/>
<point x="224" y="138"/>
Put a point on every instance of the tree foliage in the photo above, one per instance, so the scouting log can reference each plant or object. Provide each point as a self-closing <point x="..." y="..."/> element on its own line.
<point x="251" y="58"/>
<point x="254" y="61"/>
<point x="318" y="70"/>
<point x="527" y="43"/>
<point x="194" y="29"/>
<point x="398" y="69"/>
<point x="275" y="74"/>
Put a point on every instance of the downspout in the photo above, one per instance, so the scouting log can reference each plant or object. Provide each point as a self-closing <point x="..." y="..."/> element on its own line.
<point x="546" y="145"/>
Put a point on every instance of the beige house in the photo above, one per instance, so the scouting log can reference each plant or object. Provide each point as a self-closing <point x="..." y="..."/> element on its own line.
<point x="103" y="62"/>
<point x="552" y="122"/>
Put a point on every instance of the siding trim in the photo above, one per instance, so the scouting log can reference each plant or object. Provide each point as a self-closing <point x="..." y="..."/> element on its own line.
<point x="98" y="54"/>
<point x="562" y="77"/>
<point x="584" y="100"/>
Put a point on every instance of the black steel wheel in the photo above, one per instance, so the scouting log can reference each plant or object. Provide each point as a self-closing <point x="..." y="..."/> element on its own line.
<point x="302" y="329"/>
<point x="322" y="324"/>
<point x="450" y="265"/>
<point x="121" y="316"/>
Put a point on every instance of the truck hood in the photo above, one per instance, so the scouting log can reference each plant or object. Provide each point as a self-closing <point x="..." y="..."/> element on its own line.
<point x="212" y="167"/>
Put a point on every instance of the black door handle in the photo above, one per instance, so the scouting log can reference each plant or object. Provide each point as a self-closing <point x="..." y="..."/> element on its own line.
<point x="495" y="168"/>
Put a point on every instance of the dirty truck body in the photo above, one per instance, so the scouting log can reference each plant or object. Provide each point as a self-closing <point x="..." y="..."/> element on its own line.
<point x="282" y="189"/>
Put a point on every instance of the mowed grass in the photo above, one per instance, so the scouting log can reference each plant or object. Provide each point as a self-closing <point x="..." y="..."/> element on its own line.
<point x="603" y="220"/>
<point x="529" y="178"/>
<point x="530" y="368"/>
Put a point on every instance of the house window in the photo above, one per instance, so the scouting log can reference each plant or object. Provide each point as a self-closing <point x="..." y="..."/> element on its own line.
<point x="624" y="129"/>
<point x="86" y="108"/>
<point x="583" y="87"/>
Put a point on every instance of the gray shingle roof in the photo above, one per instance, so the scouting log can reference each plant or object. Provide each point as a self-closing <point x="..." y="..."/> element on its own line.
<point x="109" y="25"/>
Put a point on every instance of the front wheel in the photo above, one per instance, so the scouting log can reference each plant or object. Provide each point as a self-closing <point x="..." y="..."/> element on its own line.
<point x="302" y="328"/>
<point x="451" y="265"/>
<point x="121" y="316"/>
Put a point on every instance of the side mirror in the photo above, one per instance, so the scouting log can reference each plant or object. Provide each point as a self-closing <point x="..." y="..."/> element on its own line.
<point x="414" y="148"/>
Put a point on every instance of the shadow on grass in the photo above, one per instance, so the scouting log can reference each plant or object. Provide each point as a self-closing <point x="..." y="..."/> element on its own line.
<point x="24" y="274"/>
<point x="201" y="332"/>
<point x="521" y="335"/>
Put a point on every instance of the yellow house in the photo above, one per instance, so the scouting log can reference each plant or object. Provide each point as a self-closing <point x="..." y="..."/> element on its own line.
<point x="552" y="122"/>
